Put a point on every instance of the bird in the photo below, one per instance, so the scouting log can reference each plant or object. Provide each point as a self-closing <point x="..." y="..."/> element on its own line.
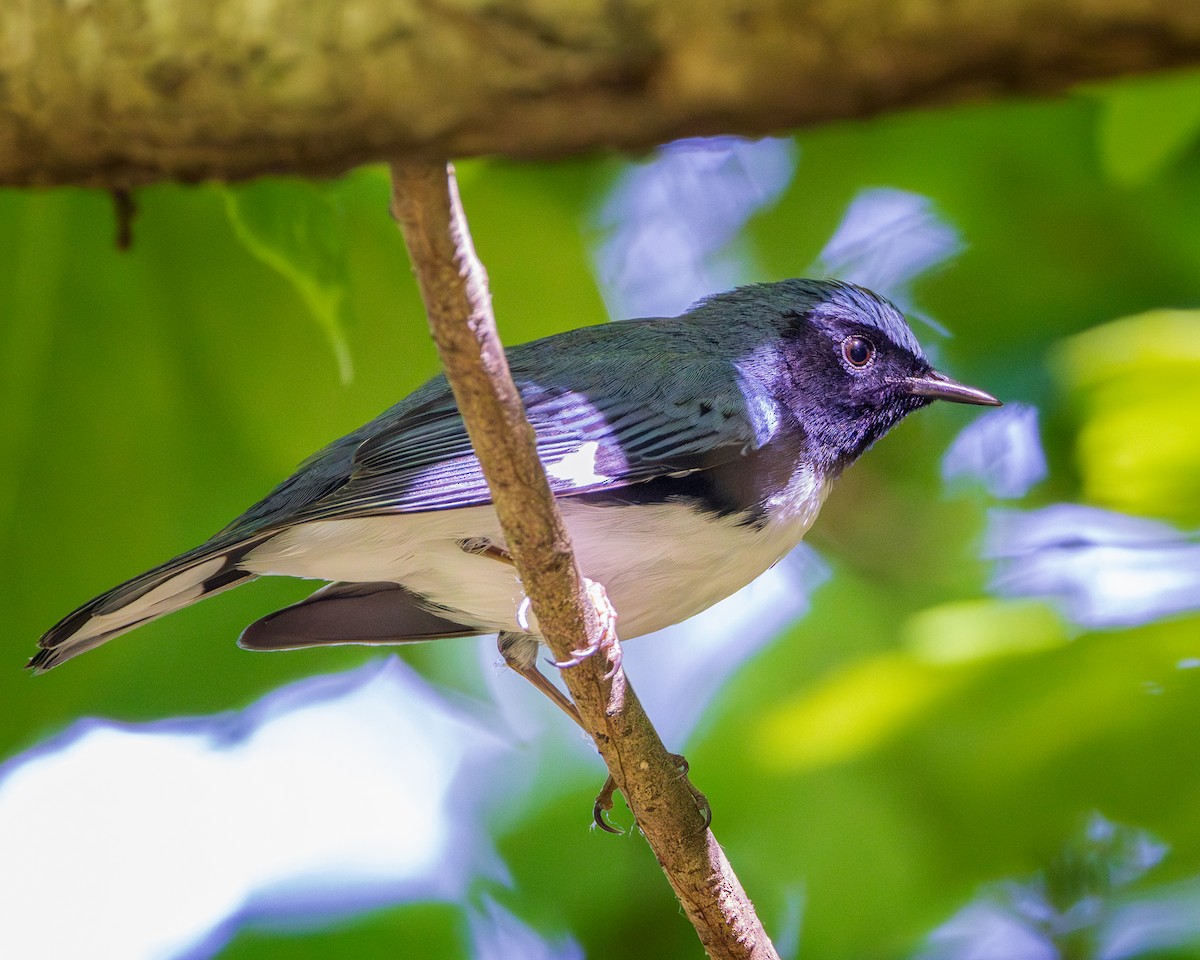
<point x="687" y="455"/>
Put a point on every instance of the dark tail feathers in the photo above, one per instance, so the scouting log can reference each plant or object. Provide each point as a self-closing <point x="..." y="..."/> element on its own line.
<point x="165" y="589"/>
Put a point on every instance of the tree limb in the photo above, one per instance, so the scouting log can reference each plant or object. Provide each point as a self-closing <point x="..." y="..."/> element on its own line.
<point x="454" y="287"/>
<point x="125" y="92"/>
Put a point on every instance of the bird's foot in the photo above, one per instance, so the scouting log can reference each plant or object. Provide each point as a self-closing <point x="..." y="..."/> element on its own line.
<point x="701" y="800"/>
<point x="604" y="799"/>
<point x="606" y="637"/>
<point x="604" y="803"/>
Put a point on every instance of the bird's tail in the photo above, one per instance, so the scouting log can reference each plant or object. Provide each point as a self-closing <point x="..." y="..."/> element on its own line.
<point x="169" y="587"/>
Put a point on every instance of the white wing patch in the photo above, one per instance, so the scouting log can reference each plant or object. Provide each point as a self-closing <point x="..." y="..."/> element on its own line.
<point x="579" y="467"/>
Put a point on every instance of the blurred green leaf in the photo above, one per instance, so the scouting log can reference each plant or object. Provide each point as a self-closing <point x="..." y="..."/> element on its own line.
<point x="297" y="228"/>
<point x="1146" y="123"/>
<point x="438" y="928"/>
<point x="856" y="710"/>
<point x="977" y="629"/>
<point x="850" y="713"/>
<point x="1136" y="382"/>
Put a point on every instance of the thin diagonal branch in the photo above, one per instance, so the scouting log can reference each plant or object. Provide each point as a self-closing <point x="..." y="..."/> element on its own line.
<point x="454" y="287"/>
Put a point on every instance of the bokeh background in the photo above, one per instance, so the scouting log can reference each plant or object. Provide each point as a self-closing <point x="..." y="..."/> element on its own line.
<point x="961" y="721"/>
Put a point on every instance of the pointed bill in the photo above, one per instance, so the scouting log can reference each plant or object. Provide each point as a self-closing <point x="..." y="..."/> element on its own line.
<point x="940" y="387"/>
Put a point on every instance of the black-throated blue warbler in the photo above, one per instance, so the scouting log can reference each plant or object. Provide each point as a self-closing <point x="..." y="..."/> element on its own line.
<point x="688" y="454"/>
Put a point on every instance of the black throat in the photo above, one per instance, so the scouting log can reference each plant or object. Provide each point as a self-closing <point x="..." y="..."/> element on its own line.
<point x="737" y="488"/>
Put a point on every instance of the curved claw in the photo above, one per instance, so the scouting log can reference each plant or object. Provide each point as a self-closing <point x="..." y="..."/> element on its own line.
<point x="701" y="800"/>
<point x="577" y="657"/>
<point x="615" y="656"/>
<point x="612" y="650"/>
<point x="600" y="820"/>
<point x="606" y="638"/>
<point x="604" y="802"/>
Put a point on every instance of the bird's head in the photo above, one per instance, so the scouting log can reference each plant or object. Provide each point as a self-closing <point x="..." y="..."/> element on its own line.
<point x="848" y="366"/>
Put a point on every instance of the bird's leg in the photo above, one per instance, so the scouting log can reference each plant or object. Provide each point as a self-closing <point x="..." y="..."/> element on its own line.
<point x="519" y="650"/>
<point x="701" y="800"/>
<point x="515" y="649"/>
<point x="604" y="803"/>
<point x="483" y="547"/>
<point x="606" y="640"/>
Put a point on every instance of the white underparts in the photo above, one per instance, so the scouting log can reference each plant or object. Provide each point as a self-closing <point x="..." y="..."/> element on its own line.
<point x="659" y="563"/>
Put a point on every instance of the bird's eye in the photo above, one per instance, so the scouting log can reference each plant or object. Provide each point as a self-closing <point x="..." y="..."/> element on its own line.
<point x="858" y="351"/>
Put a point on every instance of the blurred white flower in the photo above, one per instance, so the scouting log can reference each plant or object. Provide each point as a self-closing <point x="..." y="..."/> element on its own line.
<point x="331" y="795"/>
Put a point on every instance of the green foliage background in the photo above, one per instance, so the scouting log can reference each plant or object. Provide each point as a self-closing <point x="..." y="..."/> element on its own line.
<point x="908" y="741"/>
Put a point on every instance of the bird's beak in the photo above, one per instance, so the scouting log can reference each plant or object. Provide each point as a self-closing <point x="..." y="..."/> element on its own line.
<point x="941" y="387"/>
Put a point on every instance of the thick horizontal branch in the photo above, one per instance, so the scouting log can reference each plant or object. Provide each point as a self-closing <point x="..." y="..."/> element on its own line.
<point x="454" y="287"/>
<point x="125" y="92"/>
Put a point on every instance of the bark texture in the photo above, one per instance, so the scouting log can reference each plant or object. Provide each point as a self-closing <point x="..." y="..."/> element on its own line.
<point x="454" y="287"/>
<point x="117" y="93"/>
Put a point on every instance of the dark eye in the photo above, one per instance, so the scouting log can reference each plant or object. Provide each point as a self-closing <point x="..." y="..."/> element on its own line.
<point x="858" y="351"/>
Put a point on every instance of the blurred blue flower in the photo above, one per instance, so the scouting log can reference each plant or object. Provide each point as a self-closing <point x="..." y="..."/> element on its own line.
<point x="1083" y="904"/>
<point x="498" y="935"/>
<point x="1165" y="921"/>
<point x="888" y="238"/>
<point x="1103" y="569"/>
<point x="988" y="931"/>
<point x="1001" y="450"/>
<point x="329" y="796"/>
<point x="668" y="228"/>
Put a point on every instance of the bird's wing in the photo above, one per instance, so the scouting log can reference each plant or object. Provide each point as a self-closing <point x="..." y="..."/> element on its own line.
<point x="591" y="438"/>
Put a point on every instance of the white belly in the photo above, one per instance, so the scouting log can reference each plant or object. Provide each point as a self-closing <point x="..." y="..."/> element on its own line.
<point x="660" y="564"/>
